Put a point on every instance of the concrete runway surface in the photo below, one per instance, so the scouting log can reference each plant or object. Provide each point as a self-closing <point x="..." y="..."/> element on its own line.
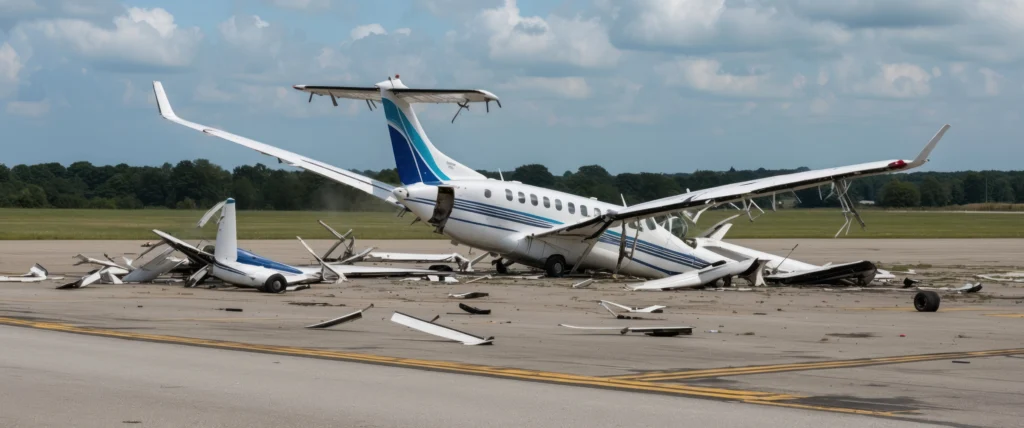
<point x="62" y="380"/>
<point x="792" y="356"/>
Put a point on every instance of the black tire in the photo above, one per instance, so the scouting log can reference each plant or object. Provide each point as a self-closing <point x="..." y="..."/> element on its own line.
<point x="275" y="284"/>
<point x="441" y="268"/>
<point x="501" y="267"/>
<point x="555" y="266"/>
<point x="926" y="301"/>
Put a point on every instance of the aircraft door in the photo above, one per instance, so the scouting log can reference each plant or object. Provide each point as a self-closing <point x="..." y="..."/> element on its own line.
<point x="442" y="208"/>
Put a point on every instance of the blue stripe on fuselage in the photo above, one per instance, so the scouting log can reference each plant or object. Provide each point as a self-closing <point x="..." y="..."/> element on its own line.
<point x="247" y="258"/>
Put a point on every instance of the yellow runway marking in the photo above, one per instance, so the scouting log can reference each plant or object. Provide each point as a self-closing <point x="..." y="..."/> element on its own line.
<point x="752" y="370"/>
<point x="1005" y="315"/>
<point x="752" y="397"/>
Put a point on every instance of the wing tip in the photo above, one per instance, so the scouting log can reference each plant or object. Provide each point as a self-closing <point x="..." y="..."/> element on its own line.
<point x="163" y="105"/>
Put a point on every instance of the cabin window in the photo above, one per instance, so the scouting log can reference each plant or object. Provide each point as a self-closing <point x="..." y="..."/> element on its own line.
<point x="558" y="204"/>
<point x="487" y="193"/>
<point x="650" y="224"/>
<point x="522" y="198"/>
<point x="508" y="194"/>
<point x="632" y="225"/>
<point x="547" y="202"/>
<point x="572" y="208"/>
<point x="533" y="199"/>
<point x="583" y="210"/>
<point x="597" y="212"/>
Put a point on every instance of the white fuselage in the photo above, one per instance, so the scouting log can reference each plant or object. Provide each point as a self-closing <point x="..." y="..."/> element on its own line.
<point x="500" y="216"/>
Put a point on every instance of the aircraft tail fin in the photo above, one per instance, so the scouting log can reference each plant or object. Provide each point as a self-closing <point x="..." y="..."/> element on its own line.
<point x="226" y="249"/>
<point x="416" y="158"/>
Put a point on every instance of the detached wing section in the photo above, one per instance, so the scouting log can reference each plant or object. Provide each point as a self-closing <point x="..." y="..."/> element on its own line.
<point x="372" y="93"/>
<point x="376" y="188"/>
<point x="747" y="190"/>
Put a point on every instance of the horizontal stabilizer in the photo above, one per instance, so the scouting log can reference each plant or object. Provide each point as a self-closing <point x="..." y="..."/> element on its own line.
<point x="409" y="95"/>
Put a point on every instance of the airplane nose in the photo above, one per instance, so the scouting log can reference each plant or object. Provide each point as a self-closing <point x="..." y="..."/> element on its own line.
<point x="401" y="193"/>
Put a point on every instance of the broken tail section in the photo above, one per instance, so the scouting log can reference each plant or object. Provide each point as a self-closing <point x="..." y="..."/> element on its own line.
<point x="417" y="160"/>
<point x="226" y="249"/>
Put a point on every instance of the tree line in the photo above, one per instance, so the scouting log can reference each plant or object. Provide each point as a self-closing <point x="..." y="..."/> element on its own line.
<point x="192" y="184"/>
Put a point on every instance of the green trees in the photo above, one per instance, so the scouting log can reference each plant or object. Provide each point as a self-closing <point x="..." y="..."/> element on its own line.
<point x="934" y="193"/>
<point x="198" y="183"/>
<point x="900" y="194"/>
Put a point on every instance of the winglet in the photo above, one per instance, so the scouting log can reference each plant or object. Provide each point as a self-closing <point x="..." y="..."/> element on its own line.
<point x="162" y="104"/>
<point x="923" y="157"/>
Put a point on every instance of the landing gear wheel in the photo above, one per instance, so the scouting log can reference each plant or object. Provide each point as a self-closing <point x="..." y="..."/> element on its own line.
<point x="441" y="268"/>
<point x="501" y="267"/>
<point x="926" y="301"/>
<point x="275" y="284"/>
<point x="555" y="266"/>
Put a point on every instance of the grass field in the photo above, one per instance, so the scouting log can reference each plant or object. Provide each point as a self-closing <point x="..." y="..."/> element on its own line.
<point x="818" y="223"/>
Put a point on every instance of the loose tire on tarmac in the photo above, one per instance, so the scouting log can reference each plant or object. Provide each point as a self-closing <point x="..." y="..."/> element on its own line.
<point x="926" y="301"/>
<point x="554" y="267"/>
<point x="275" y="284"/>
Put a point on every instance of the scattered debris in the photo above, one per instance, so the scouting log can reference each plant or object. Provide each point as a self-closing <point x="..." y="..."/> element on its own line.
<point x="584" y="284"/>
<point x="1004" y="277"/>
<point x="314" y="304"/>
<point x="760" y="313"/>
<point x="852" y="335"/>
<point x="230" y="309"/>
<point x="478" y="278"/>
<point x="474" y="311"/>
<point x="698" y="278"/>
<point x="430" y="327"/>
<point x="469" y="295"/>
<point x="712" y="331"/>
<point x="650" y="331"/>
<point x="342" y="319"/>
<point x="36" y="273"/>
<point x="961" y="362"/>
<point x="655" y="309"/>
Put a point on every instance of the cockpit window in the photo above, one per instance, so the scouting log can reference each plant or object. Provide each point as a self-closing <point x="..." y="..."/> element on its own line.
<point x="677" y="225"/>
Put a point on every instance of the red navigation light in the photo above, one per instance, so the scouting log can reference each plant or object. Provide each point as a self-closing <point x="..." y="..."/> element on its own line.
<point x="396" y="75"/>
<point x="897" y="165"/>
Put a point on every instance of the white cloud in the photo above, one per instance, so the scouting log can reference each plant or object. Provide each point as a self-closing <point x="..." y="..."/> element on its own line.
<point x="565" y="87"/>
<point x="367" y="30"/>
<point x="706" y="75"/>
<point x="403" y="31"/>
<point x="252" y="34"/>
<point x="146" y="37"/>
<point x="991" y="81"/>
<point x="210" y="92"/>
<point x="10" y="67"/>
<point x="514" y="38"/>
<point x="302" y="4"/>
<point x="29" y="108"/>
<point x="703" y="26"/>
<point x="897" y="81"/>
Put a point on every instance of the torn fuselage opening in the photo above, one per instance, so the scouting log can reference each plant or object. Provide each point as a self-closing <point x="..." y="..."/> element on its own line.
<point x="442" y="208"/>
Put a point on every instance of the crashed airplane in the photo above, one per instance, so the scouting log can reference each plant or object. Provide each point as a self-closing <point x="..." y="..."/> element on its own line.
<point x="243" y="268"/>
<point x="539" y="227"/>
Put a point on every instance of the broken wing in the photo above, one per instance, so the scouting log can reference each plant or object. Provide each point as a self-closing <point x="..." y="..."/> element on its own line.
<point x="742" y="191"/>
<point x="376" y="188"/>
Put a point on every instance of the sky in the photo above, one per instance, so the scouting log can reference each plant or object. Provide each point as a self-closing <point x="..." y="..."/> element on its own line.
<point x="635" y="86"/>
